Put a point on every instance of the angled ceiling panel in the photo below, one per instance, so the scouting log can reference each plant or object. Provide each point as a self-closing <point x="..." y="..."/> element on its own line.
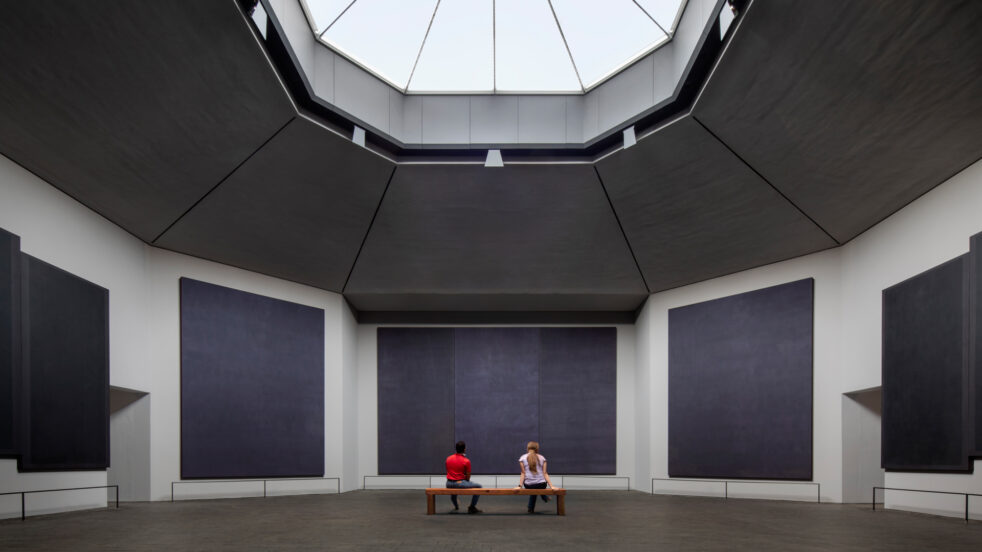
<point x="136" y="109"/>
<point x="466" y="237"/>
<point x="693" y="211"/>
<point x="298" y="209"/>
<point x="852" y="109"/>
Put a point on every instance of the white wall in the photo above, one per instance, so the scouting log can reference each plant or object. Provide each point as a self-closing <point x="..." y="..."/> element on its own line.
<point x="349" y="341"/>
<point x="129" y="449"/>
<point x="861" y="423"/>
<point x="848" y="285"/>
<point x="643" y="397"/>
<point x="368" y="405"/>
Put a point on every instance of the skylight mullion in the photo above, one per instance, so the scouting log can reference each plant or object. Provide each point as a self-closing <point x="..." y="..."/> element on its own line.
<point x="457" y="55"/>
<point x="665" y="13"/>
<point x="521" y="46"/>
<point x="653" y="20"/>
<point x="530" y="56"/>
<point x="323" y="13"/>
<point x="382" y="36"/>
<point x="603" y="39"/>
<point x="421" y="46"/>
<point x="566" y="44"/>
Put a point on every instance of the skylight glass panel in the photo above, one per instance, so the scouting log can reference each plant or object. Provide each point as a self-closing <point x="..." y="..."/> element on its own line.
<point x="383" y="36"/>
<point x="665" y="12"/>
<point x="458" y="55"/>
<point x="604" y="36"/>
<point x="324" y="12"/>
<point x="529" y="52"/>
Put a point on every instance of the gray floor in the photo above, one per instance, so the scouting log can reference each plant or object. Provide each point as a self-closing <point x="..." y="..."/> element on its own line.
<point x="396" y="520"/>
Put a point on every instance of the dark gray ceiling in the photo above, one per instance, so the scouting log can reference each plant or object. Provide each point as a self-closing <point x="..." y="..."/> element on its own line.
<point x="851" y="109"/>
<point x="500" y="238"/>
<point x="820" y="119"/>
<point x="733" y="219"/>
<point x="298" y="209"/>
<point x="136" y="109"/>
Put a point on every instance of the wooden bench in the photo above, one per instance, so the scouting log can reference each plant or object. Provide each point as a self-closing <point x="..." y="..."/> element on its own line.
<point x="431" y="493"/>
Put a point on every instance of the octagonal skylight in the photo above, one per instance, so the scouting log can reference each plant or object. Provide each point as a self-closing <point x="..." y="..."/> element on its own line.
<point x="494" y="46"/>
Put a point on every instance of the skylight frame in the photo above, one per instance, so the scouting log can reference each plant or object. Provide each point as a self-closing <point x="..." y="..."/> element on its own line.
<point x="584" y="88"/>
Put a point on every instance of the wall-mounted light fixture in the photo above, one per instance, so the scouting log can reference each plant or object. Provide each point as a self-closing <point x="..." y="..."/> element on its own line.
<point x="629" y="138"/>
<point x="358" y="136"/>
<point x="494" y="159"/>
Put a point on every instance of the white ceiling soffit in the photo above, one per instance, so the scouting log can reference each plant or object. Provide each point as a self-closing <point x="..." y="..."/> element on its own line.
<point x="494" y="46"/>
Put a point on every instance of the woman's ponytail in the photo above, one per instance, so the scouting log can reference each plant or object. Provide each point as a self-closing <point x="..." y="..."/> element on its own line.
<point x="533" y="457"/>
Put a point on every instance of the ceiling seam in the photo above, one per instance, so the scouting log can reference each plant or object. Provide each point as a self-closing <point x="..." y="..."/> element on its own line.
<point x="920" y="195"/>
<point x="72" y="196"/>
<point x="566" y="44"/>
<point x="368" y="230"/>
<point x="222" y="181"/>
<point x="621" y="226"/>
<point x="766" y="181"/>
<point x="422" y="45"/>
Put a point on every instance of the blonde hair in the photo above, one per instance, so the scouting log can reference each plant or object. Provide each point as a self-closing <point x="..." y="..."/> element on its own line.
<point x="533" y="457"/>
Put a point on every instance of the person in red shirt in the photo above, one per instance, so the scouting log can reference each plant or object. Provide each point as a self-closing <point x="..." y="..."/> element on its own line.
<point x="459" y="476"/>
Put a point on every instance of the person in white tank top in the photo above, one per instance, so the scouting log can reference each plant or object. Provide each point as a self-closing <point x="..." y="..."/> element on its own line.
<point x="533" y="474"/>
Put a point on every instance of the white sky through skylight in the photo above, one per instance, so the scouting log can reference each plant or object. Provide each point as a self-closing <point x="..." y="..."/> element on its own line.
<point x="494" y="46"/>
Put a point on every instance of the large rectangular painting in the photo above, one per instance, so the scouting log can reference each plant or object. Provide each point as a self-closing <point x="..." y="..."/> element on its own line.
<point x="496" y="394"/>
<point x="507" y="386"/>
<point x="415" y="399"/>
<point x="9" y="342"/>
<point x="578" y="400"/>
<point x="740" y="385"/>
<point x="925" y="371"/>
<point x="252" y="385"/>
<point x="975" y="367"/>
<point x="65" y="352"/>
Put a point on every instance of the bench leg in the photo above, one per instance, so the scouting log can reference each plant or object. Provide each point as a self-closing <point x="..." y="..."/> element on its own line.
<point x="430" y="504"/>
<point x="561" y="505"/>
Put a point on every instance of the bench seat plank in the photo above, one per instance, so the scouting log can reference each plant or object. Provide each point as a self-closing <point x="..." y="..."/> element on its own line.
<point x="431" y="493"/>
<point x="483" y="491"/>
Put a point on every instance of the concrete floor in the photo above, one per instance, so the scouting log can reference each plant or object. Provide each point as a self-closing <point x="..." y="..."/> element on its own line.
<point x="396" y="521"/>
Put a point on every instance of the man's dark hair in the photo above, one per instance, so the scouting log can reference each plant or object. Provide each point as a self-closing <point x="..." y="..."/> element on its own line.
<point x="460" y="446"/>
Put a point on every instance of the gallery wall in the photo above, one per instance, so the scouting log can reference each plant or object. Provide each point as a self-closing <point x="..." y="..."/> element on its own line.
<point x="848" y="315"/>
<point x="57" y="229"/>
<point x="497" y="389"/>
<point x="145" y="327"/>
<point x="164" y="359"/>
<point x="368" y="394"/>
<point x="925" y="234"/>
<point x="145" y="335"/>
